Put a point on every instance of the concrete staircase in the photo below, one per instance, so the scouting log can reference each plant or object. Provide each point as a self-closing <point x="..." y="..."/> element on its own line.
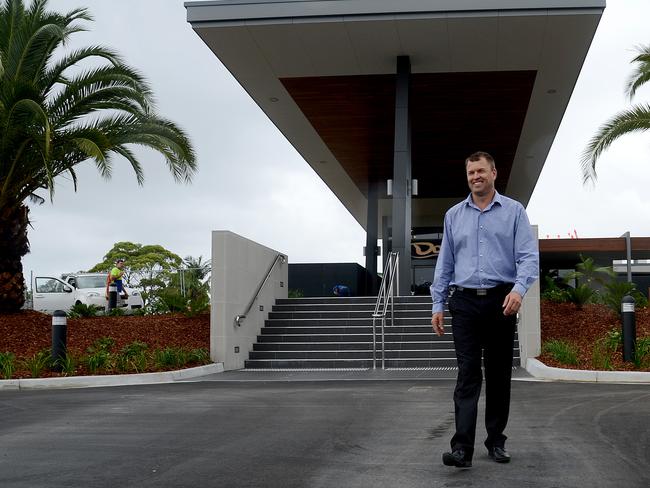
<point x="336" y="333"/>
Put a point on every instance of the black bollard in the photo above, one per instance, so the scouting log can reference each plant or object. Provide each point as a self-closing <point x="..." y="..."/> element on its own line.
<point x="629" y="328"/>
<point x="59" y="338"/>
<point x="112" y="297"/>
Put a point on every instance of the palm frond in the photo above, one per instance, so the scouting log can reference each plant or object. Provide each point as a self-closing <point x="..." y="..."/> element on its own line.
<point x="633" y="120"/>
<point x="641" y="74"/>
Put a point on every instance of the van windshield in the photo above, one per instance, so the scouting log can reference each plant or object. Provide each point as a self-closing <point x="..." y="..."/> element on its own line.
<point x="98" y="281"/>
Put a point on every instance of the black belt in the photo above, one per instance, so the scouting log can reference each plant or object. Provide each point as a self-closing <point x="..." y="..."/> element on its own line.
<point x="497" y="290"/>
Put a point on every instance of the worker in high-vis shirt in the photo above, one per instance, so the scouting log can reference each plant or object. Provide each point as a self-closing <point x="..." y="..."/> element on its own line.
<point x="115" y="278"/>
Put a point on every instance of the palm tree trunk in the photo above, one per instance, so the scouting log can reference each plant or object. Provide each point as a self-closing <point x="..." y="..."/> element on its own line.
<point x="14" y="244"/>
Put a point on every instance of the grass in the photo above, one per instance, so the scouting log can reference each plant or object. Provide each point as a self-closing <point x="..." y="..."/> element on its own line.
<point x="37" y="363"/>
<point x="562" y="351"/>
<point x="7" y="364"/>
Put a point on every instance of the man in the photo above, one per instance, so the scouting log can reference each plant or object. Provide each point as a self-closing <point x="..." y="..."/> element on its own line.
<point x="488" y="259"/>
<point x="115" y="278"/>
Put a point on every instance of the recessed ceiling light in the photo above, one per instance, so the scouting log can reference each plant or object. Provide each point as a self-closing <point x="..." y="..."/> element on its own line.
<point x="322" y="162"/>
<point x="551" y="91"/>
<point x="273" y="99"/>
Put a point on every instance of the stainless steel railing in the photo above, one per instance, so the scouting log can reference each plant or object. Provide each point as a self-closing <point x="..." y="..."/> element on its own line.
<point x="385" y="299"/>
<point x="279" y="258"/>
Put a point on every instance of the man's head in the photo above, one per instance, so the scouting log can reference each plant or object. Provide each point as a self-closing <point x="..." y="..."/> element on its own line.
<point x="119" y="263"/>
<point x="481" y="173"/>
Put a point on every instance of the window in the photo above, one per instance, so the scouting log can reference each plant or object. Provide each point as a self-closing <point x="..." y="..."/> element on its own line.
<point x="49" y="285"/>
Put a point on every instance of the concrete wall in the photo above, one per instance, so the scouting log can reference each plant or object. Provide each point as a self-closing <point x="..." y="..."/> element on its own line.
<point x="530" y="332"/>
<point x="238" y="267"/>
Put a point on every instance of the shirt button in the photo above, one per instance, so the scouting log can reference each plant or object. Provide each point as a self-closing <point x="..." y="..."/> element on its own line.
<point x="480" y="255"/>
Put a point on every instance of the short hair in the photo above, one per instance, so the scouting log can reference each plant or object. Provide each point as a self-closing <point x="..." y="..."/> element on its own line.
<point x="477" y="156"/>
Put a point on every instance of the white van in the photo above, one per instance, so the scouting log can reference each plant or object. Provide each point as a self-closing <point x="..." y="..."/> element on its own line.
<point x="52" y="294"/>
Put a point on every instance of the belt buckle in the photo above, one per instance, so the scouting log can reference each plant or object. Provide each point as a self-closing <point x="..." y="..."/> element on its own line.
<point x="481" y="292"/>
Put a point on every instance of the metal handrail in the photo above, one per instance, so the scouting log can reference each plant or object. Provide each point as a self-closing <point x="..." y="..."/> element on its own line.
<point x="385" y="297"/>
<point x="280" y="257"/>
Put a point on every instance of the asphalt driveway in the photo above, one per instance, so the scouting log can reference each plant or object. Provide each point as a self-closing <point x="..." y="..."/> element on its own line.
<point x="316" y="434"/>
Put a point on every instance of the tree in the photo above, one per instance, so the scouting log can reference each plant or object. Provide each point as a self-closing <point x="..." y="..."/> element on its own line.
<point x="147" y="267"/>
<point x="635" y="119"/>
<point x="56" y="113"/>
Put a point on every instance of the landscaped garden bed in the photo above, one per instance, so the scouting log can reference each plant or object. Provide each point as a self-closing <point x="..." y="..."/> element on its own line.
<point x="103" y="344"/>
<point x="589" y="337"/>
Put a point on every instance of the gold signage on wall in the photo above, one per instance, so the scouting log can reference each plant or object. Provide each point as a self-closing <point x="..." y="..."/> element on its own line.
<point x="424" y="249"/>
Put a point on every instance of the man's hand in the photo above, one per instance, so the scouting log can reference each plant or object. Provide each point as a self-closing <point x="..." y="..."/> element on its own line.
<point x="437" y="321"/>
<point x="512" y="303"/>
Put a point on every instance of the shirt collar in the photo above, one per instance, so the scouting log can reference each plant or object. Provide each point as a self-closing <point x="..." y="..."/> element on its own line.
<point x="496" y="199"/>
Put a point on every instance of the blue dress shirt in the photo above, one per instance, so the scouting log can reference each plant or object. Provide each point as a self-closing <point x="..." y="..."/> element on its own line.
<point x="483" y="249"/>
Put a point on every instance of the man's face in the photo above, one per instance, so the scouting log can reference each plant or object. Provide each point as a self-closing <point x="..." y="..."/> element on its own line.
<point x="480" y="177"/>
<point x="120" y="264"/>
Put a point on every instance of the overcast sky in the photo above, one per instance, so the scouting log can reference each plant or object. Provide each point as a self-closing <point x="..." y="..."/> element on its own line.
<point x="252" y="182"/>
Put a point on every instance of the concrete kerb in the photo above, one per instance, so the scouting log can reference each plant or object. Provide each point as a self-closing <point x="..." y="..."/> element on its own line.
<point x="110" y="380"/>
<point x="540" y="371"/>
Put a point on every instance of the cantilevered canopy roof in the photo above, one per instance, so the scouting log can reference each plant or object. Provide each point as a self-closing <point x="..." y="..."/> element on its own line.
<point x="492" y="75"/>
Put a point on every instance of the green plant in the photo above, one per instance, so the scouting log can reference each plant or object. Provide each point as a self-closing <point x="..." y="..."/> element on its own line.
<point x="197" y="305"/>
<point x="295" y="293"/>
<point x="580" y="295"/>
<point x="68" y="364"/>
<point x="116" y="312"/>
<point x="552" y="292"/>
<point x="82" y="310"/>
<point x="201" y="356"/>
<point x="60" y="109"/>
<point x="132" y="357"/>
<point x="587" y="271"/>
<point x="102" y="344"/>
<point x="170" y="357"/>
<point x="98" y="360"/>
<point x="172" y="300"/>
<point x="38" y="362"/>
<point x="562" y="351"/>
<point x="7" y="364"/>
<point x="642" y="352"/>
<point x="614" y="291"/>
<point x="604" y="349"/>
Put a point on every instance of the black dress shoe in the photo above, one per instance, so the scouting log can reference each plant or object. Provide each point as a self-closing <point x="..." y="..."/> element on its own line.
<point x="499" y="454"/>
<point x="458" y="458"/>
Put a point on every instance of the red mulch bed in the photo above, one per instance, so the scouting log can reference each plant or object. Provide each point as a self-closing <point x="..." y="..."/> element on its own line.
<point x="27" y="332"/>
<point x="584" y="327"/>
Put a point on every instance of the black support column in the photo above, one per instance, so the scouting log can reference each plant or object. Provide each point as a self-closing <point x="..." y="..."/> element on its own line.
<point x="372" y="232"/>
<point x="401" y="225"/>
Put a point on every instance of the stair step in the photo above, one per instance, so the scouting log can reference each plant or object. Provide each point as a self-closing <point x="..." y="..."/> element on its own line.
<point x="343" y="314"/>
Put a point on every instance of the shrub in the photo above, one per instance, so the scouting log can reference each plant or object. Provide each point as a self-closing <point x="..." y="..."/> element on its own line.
<point x="102" y="344"/>
<point x="295" y="293"/>
<point x="171" y="300"/>
<point x="170" y="357"/>
<point x="197" y="305"/>
<point x="605" y="348"/>
<point x="68" y="364"/>
<point x="7" y="364"/>
<point x="642" y="352"/>
<point x="580" y="295"/>
<point x="116" y="312"/>
<point x="38" y="362"/>
<point x="201" y="356"/>
<point x="553" y="292"/>
<point x="616" y="290"/>
<point x="132" y="357"/>
<point x="562" y="351"/>
<point x="82" y="310"/>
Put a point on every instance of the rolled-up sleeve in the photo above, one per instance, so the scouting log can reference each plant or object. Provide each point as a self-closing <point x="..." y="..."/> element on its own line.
<point x="526" y="254"/>
<point x="444" y="269"/>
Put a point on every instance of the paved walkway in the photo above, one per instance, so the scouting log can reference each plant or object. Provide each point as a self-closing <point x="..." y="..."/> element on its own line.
<point x="336" y="434"/>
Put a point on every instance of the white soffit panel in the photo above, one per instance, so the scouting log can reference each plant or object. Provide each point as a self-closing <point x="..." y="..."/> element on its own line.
<point x="329" y="48"/>
<point x="427" y="42"/>
<point x="282" y="49"/>
<point x="520" y="42"/>
<point x="473" y="42"/>
<point x="376" y="45"/>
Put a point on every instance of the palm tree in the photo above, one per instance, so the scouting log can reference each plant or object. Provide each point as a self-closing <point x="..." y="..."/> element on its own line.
<point x="56" y="113"/>
<point x="635" y="119"/>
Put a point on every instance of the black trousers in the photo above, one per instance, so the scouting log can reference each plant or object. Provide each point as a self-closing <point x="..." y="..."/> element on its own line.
<point x="479" y="327"/>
